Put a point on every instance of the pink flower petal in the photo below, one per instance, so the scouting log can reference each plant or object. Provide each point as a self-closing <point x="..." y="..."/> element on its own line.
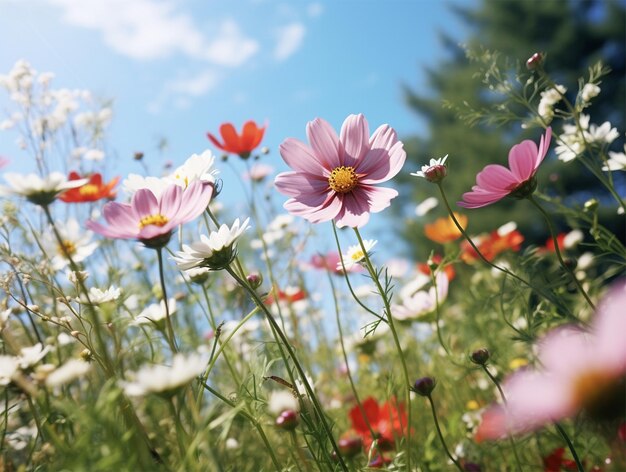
<point x="544" y="145"/>
<point x="169" y="203"/>
<point x="144" y="203"/>
<point x="495" y="177"/>
<point x="385" y="158"/>
<point x="154" y="231"/>
<point x="325" y="143"/>
<point x="566" y="351"/>
<point x="610" y="328"/>
<point x="294" y="184"/>
<point x="112" y="231"/>
<point x="302" y="158"/>
<point x="194" y="200"/>
<point x="315" y="214"/>
<point x="354" y="136"/>
<point x="479" y="197"/>
<point x="120" y="215"/>
<point x="379" y="198"/>
<point x="354" y="211"/>
<point x="523" y="160"/>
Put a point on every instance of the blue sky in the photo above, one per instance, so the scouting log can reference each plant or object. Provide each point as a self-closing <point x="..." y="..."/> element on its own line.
<point x="179" y="68"/>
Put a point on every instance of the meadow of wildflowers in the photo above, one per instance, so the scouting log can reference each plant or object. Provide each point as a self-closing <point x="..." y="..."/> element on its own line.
<point x="145" y="325"/>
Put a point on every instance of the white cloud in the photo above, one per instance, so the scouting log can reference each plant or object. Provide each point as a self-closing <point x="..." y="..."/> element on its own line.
<point x="182" y="90"/>
<point x="289" y="40"/>
<point x="315" y="9"/>
<point x="154" y="29"/>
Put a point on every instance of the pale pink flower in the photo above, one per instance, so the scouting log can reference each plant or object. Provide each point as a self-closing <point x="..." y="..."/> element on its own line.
<point x="580" y="371"/>
<point x="495" y="182"/>
<point x="152" y="219"/>
<point x="336" y="177"/>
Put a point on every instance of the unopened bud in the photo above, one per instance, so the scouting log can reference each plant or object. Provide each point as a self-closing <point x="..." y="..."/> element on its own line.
<point x="534" y="61"/>
<point x="255" y="280"/>
<point x="75" y="333"/>
<point x="436" y="173"/>
<point x="350" y="446"/>
<point x="591" y="204"/>
<point x="424" y="386"/>
<point x="86" y="354"/>
<point x="138" y="155"/>
<point x="288" y="420"/>
<point x="265" y="150"/>
<point x="480" y="356"/>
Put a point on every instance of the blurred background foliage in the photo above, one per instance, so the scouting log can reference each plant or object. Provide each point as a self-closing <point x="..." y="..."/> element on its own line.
<point x="573" y="35"/>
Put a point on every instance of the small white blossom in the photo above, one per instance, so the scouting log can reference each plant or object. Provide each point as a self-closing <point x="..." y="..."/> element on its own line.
<point x="196" y="167"/>
<point x="506" y="228"/>
<point x="38" y="190"/>
<point x="98" y="296"/>
<point x="93" y="155"/>
<point x="9" y="366"/>
<point x="426" y="206"/>
<point x="572" y="238"/>
<point x="589" y="91"/>
<point x="29" y="356"/>
<point x="432" y="164"/>
<point x="215" y="251"/>
<point x="422" y="302"/>
<point x="76" y="243"/>
<point x="549" y="98"/>
<point x="162" y="378"/>
<point x="155" y="312"/>
<point x="616" y="161"/>
<point x="258" y="172"/>
<point x="71" y="370"/>
<point x="282" y="400"/>
<point x="355" y="254"/>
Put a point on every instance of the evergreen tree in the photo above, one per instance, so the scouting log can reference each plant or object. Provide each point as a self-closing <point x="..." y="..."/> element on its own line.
<point x="573" y="35"/>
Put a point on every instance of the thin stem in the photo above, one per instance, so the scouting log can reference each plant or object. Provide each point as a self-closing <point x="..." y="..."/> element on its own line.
<point x="491" y="264"/>
<point x="438" y="313"/>
<point x="396" y="340"/>
<point x="443" y="442"/>
<point x="571" y="447"/>
<point x="557" y="250"/>
<point x="171" y="339"/>
<point x="296" y="363"/>
<point x="247" y="415"/>
<point x="345" y="360"/>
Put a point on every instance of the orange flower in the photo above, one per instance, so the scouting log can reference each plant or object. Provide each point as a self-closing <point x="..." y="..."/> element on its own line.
<point x="492" y="245"/>
<point x="436" y="258"/>
<point x="443" y="230"/>
<point x="242" y="144"/>
<point x="92" y="191"/>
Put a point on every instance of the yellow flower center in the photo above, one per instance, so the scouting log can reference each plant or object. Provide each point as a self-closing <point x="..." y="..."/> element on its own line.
<point x="158" y="220"/>
<point x="68" y="247"/>
<point x="184" y="179"/>
<point x="358" y="255"/>
<point x="88" y="190"/>
<point x="591" y="387"/>
<point x="343" y="179"/>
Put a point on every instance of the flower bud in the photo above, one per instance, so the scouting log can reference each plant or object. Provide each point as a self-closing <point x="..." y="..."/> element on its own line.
<point x="534" y="61"/>
<point x="350" y="446"/>
<point x="255" y="280"/>
<point x="480" y="356"/>
<point x="436" y="173"/>
<point x="138" y="155"/>
<point x="86" y="355"/>
<point x="288" y="420"/>
<point x="424" y="386"/>
<point x="591" y="204"/>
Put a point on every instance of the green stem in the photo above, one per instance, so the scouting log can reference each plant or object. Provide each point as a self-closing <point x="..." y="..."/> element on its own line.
<point x="256" y="424"/>
<point x="443" y="442"/>
<point x="438" y="313"/>
<point x="571" y="447"/>
<point x="491" y="264"/>
<point x="558" y="251"/>
<point x="171" y="339"/>
<point x="396" y="341"/>
<point x="296" y="363"/>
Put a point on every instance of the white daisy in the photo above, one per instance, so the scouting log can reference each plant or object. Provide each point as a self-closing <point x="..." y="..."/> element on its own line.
<point x="37" y="190"/>
<point x="155" y="312"/>
<point x="162" y="378"/>
<point x="97" y="296"/>
<point x="29" y="356"/>
<point x="77" y="244"/>
<point x="434" y="171"/>
<point x="197" y="167"/>
<point x="355" y="254"/>
<point x="8" y="368"/>
<point x="421" y="302"/>
<point x="71" y="370"/>
<point x="215" y="251"/>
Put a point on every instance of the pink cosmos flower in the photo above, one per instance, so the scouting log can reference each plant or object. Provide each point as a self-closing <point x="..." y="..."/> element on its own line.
<point x="581" y="371"/>
<point x="336" y="177"/>
<point x="152" y="220"/>
<point x="495" y="182"/>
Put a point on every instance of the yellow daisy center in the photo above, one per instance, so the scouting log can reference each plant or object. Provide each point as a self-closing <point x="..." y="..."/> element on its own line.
<point x="68" y="247"/>
<point x="343" y="179"/>
<point x="88" y="190"/>
<point x="158" y="220"/>
<point x="357" y="255"/>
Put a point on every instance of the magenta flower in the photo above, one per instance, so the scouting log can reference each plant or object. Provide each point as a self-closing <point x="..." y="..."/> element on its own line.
<point x="336" y="177"/>
<point x="581" y="371"/>
<point x="495" y="182"/>
<point x="152" y="220"/>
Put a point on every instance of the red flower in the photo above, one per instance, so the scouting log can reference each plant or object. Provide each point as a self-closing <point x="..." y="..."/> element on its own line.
<point x="549" y="246"/>
<point x="92" y="191"/>
<point x="387" y="421"/>
<point x="290" y="295"/>
<point x="242" y="144"/>
<point x="555" y="461"/>
<point x="492" y="245"/>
